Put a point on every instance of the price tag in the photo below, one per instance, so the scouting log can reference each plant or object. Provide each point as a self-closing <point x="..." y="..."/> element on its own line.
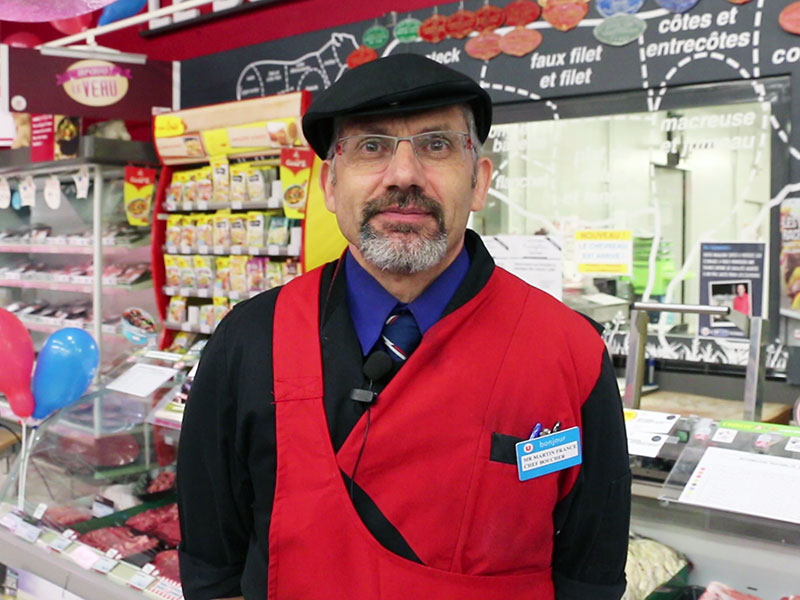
<point x="70" y="534"/>
<point x="82" y="183"/>
<point x="274" y="250"/>
<point x="52" y="192"/>
<point x="236" y="205"/>
<point x="27" y="531"/>
<point x="60" y="544"/>
<point x="203" y="249"/>
<point x="170" y="291"/>
<point x="203" y="293"/>
<point x="185" y="291"/>
<point x="104" y="564"/>
<point x="202" y="205"/>
<point x="187" y="206"/>
<point x="237" y="249"/>
<point x="254" y="250"/>
<point x="205" y="328"/>
<point x="186" y="249"/>
<point x="10" y="521"/>
<point x="83" y="556"/>
<point x="172" y="249"/>
<point x="220" y="249"/>
<point x="149" y="568"/>
<point x="40" y="510"/>
<point x="140" y="580"/>
<point x="186" y="327"/>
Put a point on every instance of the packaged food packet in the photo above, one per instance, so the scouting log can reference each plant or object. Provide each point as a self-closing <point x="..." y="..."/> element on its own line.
<point x="274" y="274"/>
<point x="255" y="274"/>
<point x="239" y="182"/>
<point x="291" y="269"/>
<point x="295" y="176"/>
<point x="278" y="232"/>
<point x="239" y="273"/>
<point x="238" y="229"/>
<point x="172" y="269"/>
<point x="256" y="222"/>
<point x="181" y="342"/>
<point x="176" y="311"/>
<point x="205" y="187"/>
<point x="188" y="231"/>
<point x="190" y="189"/>
<point x="222" y="228"/>
<point x="221" y="309"/>
<point x="256" y="188"/>
<point x="187" y="271"/>
<point x="205" y="230"/>
<point x="204" y="271"/>
<point x="222" y="281"/>
<point x="174" y="224"/>
<point x="221" y="178"/>
<point x="175" y="191"/>
<point x="207" y="315"/>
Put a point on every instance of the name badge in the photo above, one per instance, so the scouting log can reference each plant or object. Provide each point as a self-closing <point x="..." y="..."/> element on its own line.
<point x="548" y="453"/>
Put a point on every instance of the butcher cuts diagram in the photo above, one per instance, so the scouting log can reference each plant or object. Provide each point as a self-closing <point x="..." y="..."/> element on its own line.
<point x="313" y="71"/>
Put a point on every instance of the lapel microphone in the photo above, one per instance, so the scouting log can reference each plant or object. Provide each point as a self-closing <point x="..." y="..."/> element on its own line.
<point x="377" y="366"/>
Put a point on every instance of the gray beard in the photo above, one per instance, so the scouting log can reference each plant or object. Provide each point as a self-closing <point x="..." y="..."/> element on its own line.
<point x="402" y="256"/>
<point x="406" y="254"/>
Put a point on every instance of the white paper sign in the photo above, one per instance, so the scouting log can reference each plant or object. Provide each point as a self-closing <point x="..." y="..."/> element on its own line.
<point x="52" y="192"/>
<point x="645" y="443"/>
<point x="743" y="482"/>
<point x="724" y="436"/>
<point x="650" y="421"/>
<point x="82" y="183"/>
<point x="27" y="191"/>
<point x="604" y="252"/>
<point x="83" y="556"/>
<point x="536" y="259"/>
<point x="5" y="193"/>
<point x="142" y="380"/>
<point x="793" y="444"/>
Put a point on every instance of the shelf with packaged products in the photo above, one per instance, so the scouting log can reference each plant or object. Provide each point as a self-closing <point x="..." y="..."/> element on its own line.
<point x="274" y="203"/>
<point x="66" y="286"/>
<point x="209" y="293"/>
<point x="108" y="249"/>
<point x="271" y="250"/>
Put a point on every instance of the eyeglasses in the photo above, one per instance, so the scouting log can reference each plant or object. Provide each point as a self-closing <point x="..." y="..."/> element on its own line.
<point x="373" y="152"/>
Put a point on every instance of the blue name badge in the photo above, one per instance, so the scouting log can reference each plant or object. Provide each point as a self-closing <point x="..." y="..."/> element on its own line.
<point x="548" y="453"/>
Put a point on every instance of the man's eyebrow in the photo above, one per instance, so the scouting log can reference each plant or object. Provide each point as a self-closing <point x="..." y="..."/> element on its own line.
<point x="369" y="128"/>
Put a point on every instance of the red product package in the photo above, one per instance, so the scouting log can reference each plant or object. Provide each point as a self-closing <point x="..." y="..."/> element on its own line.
<point x="719" y="591"/>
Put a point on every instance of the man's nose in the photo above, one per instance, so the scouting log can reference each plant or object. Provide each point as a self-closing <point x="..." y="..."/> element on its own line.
<point x="404" y="169"/>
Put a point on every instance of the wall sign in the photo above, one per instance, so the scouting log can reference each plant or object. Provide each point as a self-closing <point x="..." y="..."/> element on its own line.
<point x="95" y="82"/>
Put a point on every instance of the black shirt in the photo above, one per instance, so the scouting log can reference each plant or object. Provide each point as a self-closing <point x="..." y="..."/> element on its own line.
<point x="227" y="455"/>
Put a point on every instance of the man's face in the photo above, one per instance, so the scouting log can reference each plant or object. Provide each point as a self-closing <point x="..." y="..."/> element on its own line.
<point x="410" y="215"/>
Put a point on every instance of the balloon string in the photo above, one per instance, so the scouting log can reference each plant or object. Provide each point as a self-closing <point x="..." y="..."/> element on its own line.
<point x="21" y="482"/>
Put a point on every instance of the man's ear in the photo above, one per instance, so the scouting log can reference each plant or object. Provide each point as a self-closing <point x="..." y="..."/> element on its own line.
<point x="327" y="181"/>
<point x="483" y="178"/>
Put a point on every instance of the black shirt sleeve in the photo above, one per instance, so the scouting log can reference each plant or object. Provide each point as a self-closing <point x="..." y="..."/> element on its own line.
<point x="228" y="433"/>
<point x="591" y="523"/>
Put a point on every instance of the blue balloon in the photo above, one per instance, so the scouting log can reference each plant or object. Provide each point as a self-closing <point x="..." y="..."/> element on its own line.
<point x="66" y="365"/>
<point x="121" y="9"/>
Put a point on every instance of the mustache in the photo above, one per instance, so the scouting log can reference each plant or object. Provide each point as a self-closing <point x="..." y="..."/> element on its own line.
<point x="412" y="197"/>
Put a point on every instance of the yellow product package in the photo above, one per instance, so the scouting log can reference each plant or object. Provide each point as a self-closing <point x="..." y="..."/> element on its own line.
<point x="222" y="278"/>
<point x="274" y="274"/>
<point x="176" y="311"/>
<point x="205" y="187"/>
<point x="172" y="270"/>
<point x="256" y="186"/>
<point x="188" y="231"/>
<point x="174" y="224"/>
<point x="204" y="271"/>
<point x="190" y="189"/>
<point x="221" y="178"/>
<point x="256" y="227"/>
<point x="175" y="190"/>
<point x="238" y="229"/>
<point x="222" y="228"/>
<point x="239" y="182"/>
<point x="207" y="315"/>
<point x="138" y="191"/>
<point x="284" y="132"/>
<point x="204" y="230"/>
<point x="239" y="273"/>
<point x="295" y="177"/>
<point x="187" y="271"/>
<point x="221" y="309"/>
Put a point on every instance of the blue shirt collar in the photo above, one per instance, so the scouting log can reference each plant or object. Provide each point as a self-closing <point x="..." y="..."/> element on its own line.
<point x="370" y="304"/>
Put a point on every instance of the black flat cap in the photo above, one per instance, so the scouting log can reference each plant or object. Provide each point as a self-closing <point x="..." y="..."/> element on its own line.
<point x="396" y="84"/>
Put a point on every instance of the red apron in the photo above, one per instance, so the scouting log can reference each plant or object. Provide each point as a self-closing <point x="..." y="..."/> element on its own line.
<point x="511" y="361"/>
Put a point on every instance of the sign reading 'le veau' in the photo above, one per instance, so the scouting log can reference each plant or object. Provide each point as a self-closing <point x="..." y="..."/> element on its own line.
<point x="95" y="82"/>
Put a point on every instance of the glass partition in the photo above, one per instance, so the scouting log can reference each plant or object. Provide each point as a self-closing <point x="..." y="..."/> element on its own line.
<point x="694" y="176"/>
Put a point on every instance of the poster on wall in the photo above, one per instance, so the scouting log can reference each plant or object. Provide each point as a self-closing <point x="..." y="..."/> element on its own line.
<point x="731" y="275"/>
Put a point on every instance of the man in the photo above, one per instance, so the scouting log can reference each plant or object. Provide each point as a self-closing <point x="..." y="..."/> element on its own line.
<point x="327" y="453"/>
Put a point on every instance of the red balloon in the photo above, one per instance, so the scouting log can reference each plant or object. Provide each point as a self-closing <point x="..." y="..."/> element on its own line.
<point x="16" y="358"/>
<point x="22" y="39"/>
<point x="74" y="24"/>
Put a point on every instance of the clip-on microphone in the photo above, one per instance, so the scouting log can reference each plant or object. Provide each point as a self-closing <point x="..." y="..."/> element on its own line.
<point x="377" y="366"/>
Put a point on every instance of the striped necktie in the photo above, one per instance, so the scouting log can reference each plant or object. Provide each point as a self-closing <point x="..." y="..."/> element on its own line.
<point x="401" y="334"/>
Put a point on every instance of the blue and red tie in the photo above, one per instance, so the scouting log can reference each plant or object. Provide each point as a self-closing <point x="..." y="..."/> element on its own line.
<point x="401" y="334"/>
